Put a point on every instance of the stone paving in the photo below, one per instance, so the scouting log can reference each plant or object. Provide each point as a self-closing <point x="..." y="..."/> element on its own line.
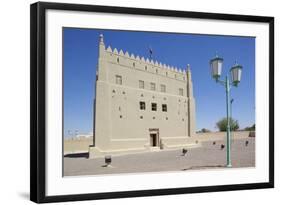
<point x="208" y="156"/>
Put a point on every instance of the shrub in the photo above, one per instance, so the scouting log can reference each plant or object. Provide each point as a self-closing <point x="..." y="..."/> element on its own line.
<point x="222" y="124"/>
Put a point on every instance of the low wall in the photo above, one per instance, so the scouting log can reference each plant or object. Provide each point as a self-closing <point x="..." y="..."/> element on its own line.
<point x="77" y="145"/>
<point x="208" y="136"/>
<point x="82" y="145"/>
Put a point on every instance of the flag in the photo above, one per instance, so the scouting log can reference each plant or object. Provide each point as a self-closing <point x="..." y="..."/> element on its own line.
<point x="150" y="52"/>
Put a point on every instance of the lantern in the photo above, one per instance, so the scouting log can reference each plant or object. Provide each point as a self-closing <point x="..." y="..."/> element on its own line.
<point x="236" y="72"/>
<point x="107" y="160"/>
<point x="216" y="67"/>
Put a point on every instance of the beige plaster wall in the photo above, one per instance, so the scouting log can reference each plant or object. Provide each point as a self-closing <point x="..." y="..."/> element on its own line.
<point x="119" y="121"/>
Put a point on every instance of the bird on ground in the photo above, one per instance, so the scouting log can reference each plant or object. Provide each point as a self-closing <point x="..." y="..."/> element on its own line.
<point x="214" y="142"/>
<point x="222" y="146"/>
<point x="246" y="143"/>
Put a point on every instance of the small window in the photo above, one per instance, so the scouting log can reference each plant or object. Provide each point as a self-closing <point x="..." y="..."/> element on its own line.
<point x="181" y="91"/>
<point x="152" y="86"/>
<point x="164" y="107"/>
<point x="175" y="75"/>
<point x="153" y="106"/>
<point x="141" y="117"/>
<point x="120" y="116"/>
<point x="141" y="84"/>
<point x="156" y="71"/>
<point x="142" y="105"/>
<point x="117" y="60"/>
<point x="163" y="88"/>
<point x="166" y="73"/>
<point x="145" y="67"/>
<point x="134" y="64"/>
<point x="118" y="79"/>
<point x="166" y="118"/>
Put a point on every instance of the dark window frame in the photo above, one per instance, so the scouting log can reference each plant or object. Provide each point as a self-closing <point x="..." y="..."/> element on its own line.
<point x="153" y="106"/>
<point x="164" y="108"/>
<point x="142" y="105"/>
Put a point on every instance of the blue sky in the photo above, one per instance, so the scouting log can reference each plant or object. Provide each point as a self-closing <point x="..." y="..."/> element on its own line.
<point x="80" y="47"/>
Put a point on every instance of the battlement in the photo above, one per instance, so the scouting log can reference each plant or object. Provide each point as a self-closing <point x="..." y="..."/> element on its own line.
<point x="126" y="59"/>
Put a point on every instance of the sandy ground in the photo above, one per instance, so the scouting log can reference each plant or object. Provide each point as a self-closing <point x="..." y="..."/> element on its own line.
<point x="206" y="157"/>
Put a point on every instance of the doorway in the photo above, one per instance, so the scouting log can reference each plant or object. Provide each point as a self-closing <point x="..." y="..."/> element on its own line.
<point x="153" y="140"/>
<point x="154" y="137"/>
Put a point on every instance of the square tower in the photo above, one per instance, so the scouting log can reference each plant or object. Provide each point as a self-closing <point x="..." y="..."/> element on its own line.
<point x="140" y="105"/>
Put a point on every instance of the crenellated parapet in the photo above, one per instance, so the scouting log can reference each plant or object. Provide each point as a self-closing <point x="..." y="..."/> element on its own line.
<point x="124" y="58"/>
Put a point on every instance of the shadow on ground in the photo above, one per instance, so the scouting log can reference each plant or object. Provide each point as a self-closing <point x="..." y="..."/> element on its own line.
<point x="77" y="155"/>
<point x="203" y="167"/>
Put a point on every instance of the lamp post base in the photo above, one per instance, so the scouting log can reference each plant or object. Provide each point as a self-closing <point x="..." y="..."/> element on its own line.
<point x="229" y="165"/>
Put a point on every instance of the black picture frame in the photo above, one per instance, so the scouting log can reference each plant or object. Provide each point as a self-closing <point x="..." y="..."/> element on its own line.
<point x="38" y="104"/>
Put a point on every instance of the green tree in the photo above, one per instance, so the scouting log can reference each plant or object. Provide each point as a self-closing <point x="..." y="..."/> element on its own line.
<point x="205" y="130"/>
<point x="252" y="128"/>
<point x="222" y="124"/>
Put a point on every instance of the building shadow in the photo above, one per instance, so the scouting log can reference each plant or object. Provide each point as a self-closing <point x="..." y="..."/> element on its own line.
<point x="77" y="155"/>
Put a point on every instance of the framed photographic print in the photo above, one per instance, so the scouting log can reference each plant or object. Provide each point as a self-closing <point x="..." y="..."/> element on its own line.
<point x="129" y="102"/>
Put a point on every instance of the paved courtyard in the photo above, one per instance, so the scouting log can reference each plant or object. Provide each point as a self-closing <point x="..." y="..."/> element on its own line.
<point x="208" y="156"/>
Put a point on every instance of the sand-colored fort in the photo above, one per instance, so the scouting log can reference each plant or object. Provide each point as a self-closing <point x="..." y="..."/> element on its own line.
<point x="140" y="104"/>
